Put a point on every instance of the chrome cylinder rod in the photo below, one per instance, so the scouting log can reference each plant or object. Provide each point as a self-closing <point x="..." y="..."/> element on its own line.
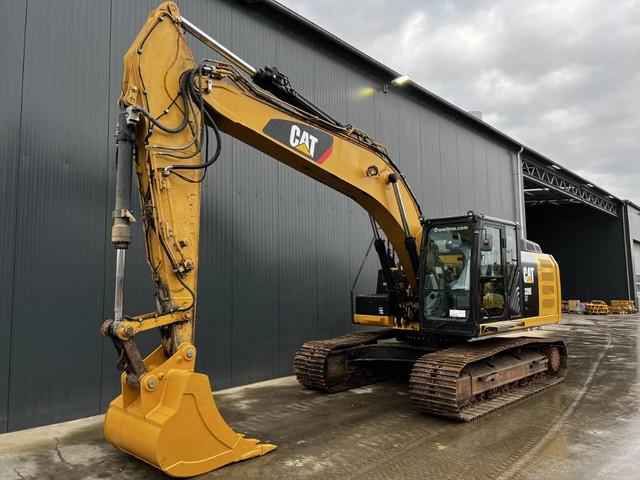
<point x="216" y="46"/>
<point x="374" y="226"/>
<point x="393" y="180"/>
<point x="119" y="288"/>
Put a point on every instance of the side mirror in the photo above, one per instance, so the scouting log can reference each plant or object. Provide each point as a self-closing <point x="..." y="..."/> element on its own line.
<point x="486" y="241"/>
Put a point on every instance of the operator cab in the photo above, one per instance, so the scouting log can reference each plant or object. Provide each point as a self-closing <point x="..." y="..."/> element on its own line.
<point x="469" y="275"/>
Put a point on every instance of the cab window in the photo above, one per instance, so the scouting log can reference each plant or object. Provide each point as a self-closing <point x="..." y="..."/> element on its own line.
<point x="511" y="252"/>
<point x="492" y="280"/>
<point x="446" y="279"/>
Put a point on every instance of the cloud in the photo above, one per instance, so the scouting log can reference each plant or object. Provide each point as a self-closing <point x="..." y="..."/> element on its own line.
<point x="562" y="77"/>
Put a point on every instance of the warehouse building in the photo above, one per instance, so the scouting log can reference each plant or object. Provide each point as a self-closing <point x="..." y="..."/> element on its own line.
<point x="279" y="252"/>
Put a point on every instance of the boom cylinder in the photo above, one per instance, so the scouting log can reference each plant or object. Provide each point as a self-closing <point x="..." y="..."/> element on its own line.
<point x="393" y="180"/>
<point x="122" y="217"/>
<point x="409" y="240"/>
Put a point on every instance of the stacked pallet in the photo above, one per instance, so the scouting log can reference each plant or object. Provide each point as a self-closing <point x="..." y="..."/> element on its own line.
<point x="623" y="307"/>
<point x="596" y="307"/>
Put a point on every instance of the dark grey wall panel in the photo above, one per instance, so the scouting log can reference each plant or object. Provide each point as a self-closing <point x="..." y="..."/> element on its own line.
<point x="255" y="189"/>
<point x="55" y="359"/>
<point x="331" y="217"/>
<point x="12" y="57"/>
<point x="450" y="179"/>
<point x="431" y="191"/>
<point x="278" y="251"/>
<point x="409" y="147"/>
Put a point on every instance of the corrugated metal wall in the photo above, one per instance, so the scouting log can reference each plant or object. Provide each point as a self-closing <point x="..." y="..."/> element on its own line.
<point x="278" y="251"/>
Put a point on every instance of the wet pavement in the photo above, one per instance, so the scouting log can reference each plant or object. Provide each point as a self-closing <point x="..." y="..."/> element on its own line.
<point x="585" y="428"/>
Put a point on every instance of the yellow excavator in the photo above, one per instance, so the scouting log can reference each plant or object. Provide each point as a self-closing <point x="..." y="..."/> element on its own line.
<point x="444" y="285"/>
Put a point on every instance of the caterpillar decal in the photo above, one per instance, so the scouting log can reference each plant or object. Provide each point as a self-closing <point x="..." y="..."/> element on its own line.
<point x="309" y="141"/>
<point x="530" y="281"/>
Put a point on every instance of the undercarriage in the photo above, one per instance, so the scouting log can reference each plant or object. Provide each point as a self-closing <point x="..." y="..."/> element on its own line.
<point x="462" y="381"/>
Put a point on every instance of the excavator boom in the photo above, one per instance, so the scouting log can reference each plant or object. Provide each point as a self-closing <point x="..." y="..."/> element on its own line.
<point x="168" y="104"/>
<point x="468" y="280"/>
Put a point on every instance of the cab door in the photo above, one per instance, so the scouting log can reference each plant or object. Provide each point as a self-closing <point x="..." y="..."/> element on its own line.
<point x="513" y="271"/>
<point x="492" y="298"/>
<point x="499" y="294"/>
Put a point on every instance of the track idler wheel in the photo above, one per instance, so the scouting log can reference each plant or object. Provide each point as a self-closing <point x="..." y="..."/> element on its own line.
<point x="554" y="359"/>
<point x="171" y="421"/>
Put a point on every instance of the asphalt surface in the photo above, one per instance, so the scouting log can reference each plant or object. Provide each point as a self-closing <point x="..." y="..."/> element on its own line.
<point x="586" y="427"/>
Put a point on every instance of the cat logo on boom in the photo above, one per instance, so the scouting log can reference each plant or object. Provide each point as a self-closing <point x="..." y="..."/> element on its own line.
<point x="302" y="140"/>
<point x="311" y="142"/>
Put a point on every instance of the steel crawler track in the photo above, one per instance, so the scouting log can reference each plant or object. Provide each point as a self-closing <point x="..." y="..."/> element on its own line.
<point x="434" y="381"/>
<point x="322" y="364"/>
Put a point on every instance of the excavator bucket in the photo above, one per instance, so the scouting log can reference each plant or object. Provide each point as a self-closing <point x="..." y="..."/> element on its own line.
<point x="171" y="421"/>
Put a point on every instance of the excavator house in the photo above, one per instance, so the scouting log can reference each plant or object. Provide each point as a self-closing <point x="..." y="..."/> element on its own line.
<point x="454" y="296"/>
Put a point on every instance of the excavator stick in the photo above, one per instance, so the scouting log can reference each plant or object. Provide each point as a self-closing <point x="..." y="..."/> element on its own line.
<point x="172" y="422"/>
<point x="166" y="415"/>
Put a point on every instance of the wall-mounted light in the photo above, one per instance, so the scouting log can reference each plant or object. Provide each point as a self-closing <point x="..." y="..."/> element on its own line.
<point x="396" y="82"/>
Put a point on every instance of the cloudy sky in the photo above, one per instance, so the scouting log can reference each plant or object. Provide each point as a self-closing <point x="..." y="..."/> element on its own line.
<point x="561" y="76"/>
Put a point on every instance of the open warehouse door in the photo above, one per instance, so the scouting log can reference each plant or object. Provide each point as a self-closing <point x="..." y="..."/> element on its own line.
<point x="584" y="227"/>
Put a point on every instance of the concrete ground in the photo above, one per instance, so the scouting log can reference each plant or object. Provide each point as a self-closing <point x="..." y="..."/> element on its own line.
<point x="587" y="427"/>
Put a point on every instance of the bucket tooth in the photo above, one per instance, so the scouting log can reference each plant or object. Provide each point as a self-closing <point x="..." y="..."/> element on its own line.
<point x="171" y="420"/>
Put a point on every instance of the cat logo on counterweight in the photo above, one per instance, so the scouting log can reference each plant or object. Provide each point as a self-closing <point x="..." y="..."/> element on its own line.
<point x="528" y="273"/>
